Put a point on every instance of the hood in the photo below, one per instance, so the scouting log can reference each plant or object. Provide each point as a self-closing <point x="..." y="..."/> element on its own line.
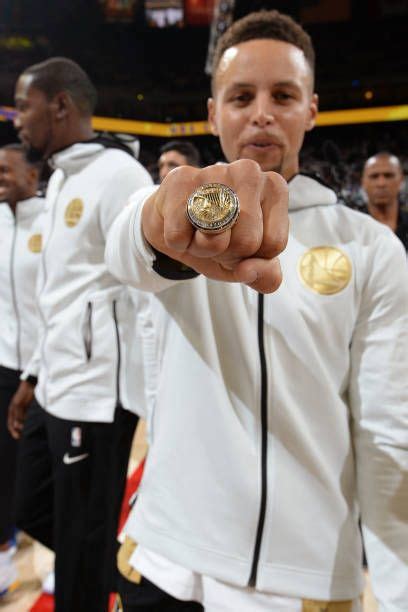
<point x="305" y="191"/>
<point x="74" y="158"/>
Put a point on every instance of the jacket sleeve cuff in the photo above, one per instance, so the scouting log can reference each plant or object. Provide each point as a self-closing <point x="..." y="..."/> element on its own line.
<point x="164" y="266"/>
<point x="171" y="268"/>
<point x="30" y="378"/>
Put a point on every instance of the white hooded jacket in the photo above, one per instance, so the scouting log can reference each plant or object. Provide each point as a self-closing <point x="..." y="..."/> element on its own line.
<point x="85" y="313"/>
<point x="20" y="248"/>
<point x="280" y="418"/>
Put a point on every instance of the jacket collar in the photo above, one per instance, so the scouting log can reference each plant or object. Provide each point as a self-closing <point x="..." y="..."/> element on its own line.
<point x="306" y="191"/>
<point x="30" y="207"/>
<point x="27" y="208"/>
<point x="75" y="157"/>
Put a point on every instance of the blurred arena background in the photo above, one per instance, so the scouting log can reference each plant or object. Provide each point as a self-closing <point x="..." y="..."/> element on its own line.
<point x="148" y="58"/>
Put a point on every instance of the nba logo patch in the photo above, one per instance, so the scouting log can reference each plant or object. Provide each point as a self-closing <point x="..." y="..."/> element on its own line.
<point x="76" y="437"/>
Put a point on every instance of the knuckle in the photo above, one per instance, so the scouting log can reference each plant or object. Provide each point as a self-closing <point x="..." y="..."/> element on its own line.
<point x="276" y="244"/>
<point x="175" y="237"/>
<point x="277" y="182"/>
<point x="249" y="166"/>
<point x="247" y="243"/>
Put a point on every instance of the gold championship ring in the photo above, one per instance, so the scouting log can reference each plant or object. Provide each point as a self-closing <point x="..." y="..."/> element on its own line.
<point x="212" y="208"/>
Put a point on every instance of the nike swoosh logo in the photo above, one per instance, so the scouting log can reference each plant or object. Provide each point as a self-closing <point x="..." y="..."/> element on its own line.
<point x="68" y="460"/>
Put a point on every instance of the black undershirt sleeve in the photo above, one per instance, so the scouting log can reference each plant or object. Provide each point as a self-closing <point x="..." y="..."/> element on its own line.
<point x="170" y="268"/>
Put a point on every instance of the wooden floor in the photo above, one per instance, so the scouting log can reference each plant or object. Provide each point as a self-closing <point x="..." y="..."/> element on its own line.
<point x="34" y="561"/>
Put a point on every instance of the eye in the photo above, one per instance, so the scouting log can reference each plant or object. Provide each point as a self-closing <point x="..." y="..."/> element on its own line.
<point x="283" y="96"/>
<point x="241" y="98"/>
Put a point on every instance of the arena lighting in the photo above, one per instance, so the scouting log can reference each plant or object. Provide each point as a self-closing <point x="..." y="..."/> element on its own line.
<point x="202" y="128"/>
<point x="222" y="18"/>
<point x="16" y="43"/>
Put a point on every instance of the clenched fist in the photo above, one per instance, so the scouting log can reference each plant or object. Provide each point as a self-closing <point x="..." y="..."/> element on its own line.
<point x="245" y="253"/>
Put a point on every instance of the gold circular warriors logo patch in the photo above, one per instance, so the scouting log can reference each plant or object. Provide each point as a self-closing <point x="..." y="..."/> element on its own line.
<point x="73" y="212"/>
<point x="325" y="270"/>
<point x="35" y="243"/>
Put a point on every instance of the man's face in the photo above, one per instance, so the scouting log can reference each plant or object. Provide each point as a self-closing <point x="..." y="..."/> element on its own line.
<point x="263" y="104"/>
<point x="33" y="121"/>
<point x="16" y="177"/>
<point x="170" y="160"/>
<point x="382" y="179"/>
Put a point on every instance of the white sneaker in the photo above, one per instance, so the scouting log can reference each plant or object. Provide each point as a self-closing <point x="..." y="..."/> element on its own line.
<point x="8" y="573"/>
<point x="48" y="584"/>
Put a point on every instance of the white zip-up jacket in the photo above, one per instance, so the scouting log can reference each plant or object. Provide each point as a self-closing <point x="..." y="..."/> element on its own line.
<point x="280" y="418"/>
<point x="86" y="314"/>
<point x="20" y="248"/>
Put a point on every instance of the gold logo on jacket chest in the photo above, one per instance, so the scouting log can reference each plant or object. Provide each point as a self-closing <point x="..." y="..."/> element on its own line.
<point x="325" y="270"/>
<point x="35" y="243"/>
<point x="73" y="212"/>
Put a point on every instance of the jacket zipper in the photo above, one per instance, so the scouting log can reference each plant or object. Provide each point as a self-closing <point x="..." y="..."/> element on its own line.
<point x="14" y="294"/>
<point x="44" y="267"/>
<point x="88" y="332"/>
<point x="115" y="319"/>
<point x="264" y="443"/>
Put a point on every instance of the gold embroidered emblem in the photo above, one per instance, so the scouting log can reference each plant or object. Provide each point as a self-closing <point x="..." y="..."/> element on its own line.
<point x="73" y="212"/>
<point x="123" y="557"/>
<point x="311" y="605"/>
<point x="325" y="270"/>
<point x="35" y="243"/>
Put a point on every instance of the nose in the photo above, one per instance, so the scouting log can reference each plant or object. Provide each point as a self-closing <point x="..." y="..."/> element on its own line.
<point x="262" y="111"/>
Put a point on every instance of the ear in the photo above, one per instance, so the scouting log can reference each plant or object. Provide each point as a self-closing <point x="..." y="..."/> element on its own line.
<point x="62" y="102"/>
<point x="313" y="110"/>
<point x="211" y="116"/>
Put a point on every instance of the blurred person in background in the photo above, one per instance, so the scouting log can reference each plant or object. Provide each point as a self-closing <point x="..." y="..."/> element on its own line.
<point x="177" y="153"/>
<point x="382" y="180"/>
<point x="278" y="417"/>
<point x="77" y="431"/>
<point x="21" y="215"/>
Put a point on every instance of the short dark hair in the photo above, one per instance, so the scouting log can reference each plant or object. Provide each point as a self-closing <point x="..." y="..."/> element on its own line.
<point x="184" y="147"/>
<point x="18" y="148"/>
<point x="62" y="74"/>
<point x="265" y="25"/>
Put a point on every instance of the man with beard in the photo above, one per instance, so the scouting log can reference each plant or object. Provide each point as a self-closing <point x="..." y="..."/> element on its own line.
<point x="21" y="213"/>
<point x="77" y="435"/>
<point x="279" y="418"/>
<point x="382" y="181"/>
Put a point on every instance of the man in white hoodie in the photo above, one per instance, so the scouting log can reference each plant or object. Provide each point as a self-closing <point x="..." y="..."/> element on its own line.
<point x="77" y="435"/>
<point x="279" y="418"/>
<point x="21" y="212"/>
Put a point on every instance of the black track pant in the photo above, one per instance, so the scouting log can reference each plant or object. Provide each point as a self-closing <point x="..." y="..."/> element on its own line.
<point x="9" y="381"/>
<point x="70" y="482"/>
<point x="147" y="597"/>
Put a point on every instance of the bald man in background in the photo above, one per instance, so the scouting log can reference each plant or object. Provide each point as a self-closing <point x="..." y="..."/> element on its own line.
<point x="381" y="181"/>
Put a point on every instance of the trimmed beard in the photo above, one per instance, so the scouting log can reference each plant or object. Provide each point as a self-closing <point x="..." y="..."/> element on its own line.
<point x="34" y="155"/>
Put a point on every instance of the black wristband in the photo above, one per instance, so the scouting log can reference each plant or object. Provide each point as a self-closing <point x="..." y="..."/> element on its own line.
<point x="171" y="268"/>
<point x="32" y="380"/>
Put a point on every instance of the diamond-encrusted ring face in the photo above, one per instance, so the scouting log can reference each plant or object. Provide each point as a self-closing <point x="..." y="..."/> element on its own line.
<point x="212" y="208"/>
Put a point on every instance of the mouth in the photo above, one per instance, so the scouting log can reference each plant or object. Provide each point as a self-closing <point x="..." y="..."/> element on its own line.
<point x="263" y="143"/>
